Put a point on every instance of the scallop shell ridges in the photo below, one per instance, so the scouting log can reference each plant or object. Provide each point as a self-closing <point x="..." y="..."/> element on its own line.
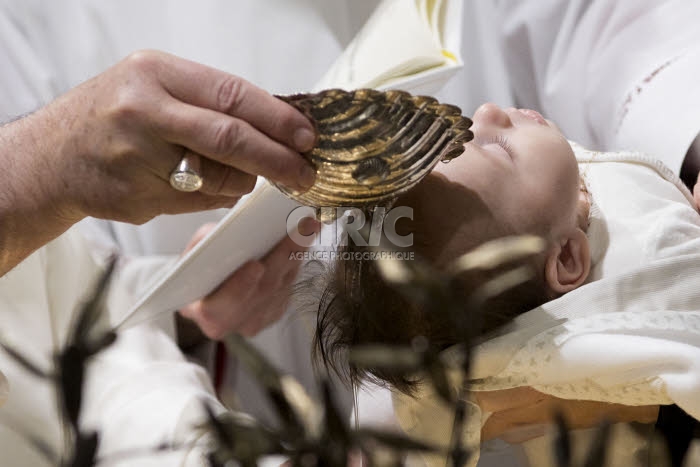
<point x="373" y="145"/>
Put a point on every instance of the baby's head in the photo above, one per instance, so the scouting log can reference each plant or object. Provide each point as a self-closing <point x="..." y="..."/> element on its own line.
<point x="518" y="176"/>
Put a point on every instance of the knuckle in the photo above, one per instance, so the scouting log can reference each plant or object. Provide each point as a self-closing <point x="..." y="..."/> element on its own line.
<point x="134" y="92"/>
<point x="221" y="181"/>
<point x="143" y="60"/>
<point x="227" y="137"/>
<point x="229" y="94"/>
<point x="195" y="311"/>
<point x="209" y="325"/>
<point x="286" y="120"/>
<point x="128" y="105"/>
<point x="205" y="315"/>
<point x="187" y="312"/>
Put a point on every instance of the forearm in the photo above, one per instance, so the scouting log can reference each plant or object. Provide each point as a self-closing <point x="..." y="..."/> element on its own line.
<point x="106" y="149"/>
<point x="31" y="212"/>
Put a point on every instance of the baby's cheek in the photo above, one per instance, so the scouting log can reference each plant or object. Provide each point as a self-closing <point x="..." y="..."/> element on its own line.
<point x="545" y="205"/>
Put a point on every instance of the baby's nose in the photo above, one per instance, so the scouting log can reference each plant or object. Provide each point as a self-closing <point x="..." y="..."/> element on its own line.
<point x="490" y="114"/>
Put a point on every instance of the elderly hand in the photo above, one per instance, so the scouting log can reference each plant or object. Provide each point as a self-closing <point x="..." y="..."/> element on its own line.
<point x="124" y="131"/>
<point x="521" y="414"/>
<point x="107" y="148"/>
<point x="254" y="296"/>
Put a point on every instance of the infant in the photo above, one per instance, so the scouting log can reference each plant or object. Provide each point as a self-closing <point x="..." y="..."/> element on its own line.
<point x="518" y="176"/>
<point x="631" y="336"/>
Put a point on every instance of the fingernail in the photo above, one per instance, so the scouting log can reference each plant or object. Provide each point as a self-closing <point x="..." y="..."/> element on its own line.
<point x="304" y="139"/>
<point x="307" y="177"/>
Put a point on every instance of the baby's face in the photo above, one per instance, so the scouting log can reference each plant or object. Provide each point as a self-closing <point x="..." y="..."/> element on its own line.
<point x="519" y="175"/>
<point x="520" y="167"/>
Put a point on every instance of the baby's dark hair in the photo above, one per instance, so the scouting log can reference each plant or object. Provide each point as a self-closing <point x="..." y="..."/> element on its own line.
<point x="358" y="307"/>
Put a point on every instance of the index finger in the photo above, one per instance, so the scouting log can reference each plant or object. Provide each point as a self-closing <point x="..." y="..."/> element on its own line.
<point x="214" y="89"/>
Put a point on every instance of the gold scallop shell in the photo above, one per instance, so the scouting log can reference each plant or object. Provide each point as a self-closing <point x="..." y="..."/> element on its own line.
<point x="373" y="145"/>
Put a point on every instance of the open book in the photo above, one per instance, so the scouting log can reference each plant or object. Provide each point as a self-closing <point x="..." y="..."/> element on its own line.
<point x="412" y="45"/>
<point x="405" y="44"/>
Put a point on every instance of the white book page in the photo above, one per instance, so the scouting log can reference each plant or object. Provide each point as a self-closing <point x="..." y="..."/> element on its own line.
<point x="431" y="11"/>
<point x="396" y="40"/>
<point x="446" y="16"/>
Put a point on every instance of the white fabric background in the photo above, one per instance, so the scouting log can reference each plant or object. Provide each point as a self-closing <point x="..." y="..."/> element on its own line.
<point x="577" y="61"/>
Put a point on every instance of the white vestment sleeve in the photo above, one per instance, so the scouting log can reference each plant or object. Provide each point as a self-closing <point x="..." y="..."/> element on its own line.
<point x="138" y="393"/>
<point x="142" y="392"/>
<point x="613" y="74"/>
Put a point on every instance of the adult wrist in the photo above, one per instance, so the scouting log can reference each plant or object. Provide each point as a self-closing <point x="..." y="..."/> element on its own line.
<point x="33" y="210"/>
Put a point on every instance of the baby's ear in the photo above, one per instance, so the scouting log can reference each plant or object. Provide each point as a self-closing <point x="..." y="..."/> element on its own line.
<point x="568" y="262"/>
